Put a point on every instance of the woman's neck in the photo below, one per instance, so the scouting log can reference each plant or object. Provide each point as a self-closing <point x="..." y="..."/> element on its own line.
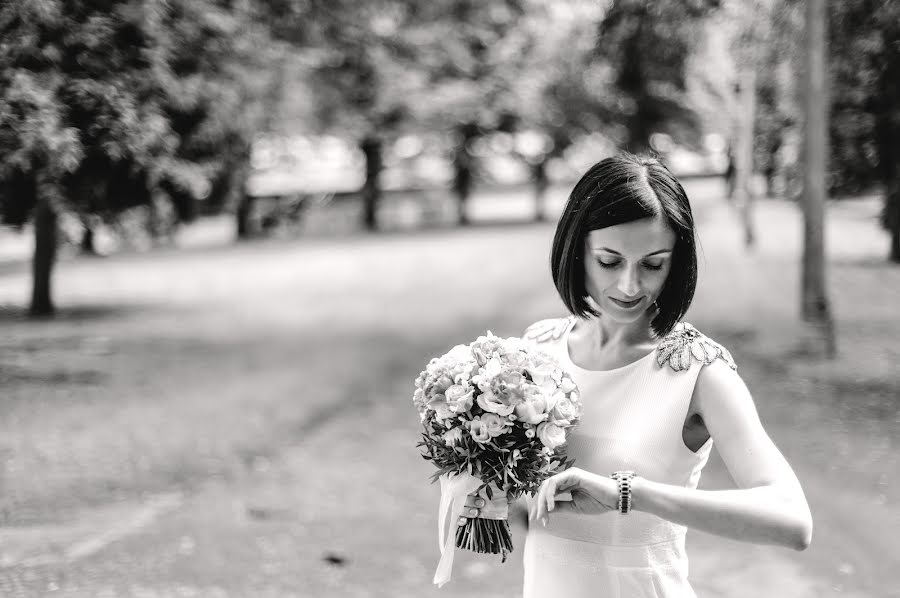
<point x="611" y="336"/>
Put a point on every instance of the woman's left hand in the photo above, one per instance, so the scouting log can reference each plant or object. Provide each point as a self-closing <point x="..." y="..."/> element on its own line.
<point x="591" y="494"/>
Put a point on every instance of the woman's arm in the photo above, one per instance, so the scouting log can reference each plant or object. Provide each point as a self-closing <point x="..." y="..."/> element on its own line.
<point x="769" y="505"/>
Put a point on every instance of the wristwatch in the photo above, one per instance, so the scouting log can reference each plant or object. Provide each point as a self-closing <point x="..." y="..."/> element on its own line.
<point x="624" y="480"/>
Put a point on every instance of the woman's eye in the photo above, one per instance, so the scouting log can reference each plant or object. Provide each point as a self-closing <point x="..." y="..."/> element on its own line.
<point x="607" y="264"/>
<point x="653" y="266"/>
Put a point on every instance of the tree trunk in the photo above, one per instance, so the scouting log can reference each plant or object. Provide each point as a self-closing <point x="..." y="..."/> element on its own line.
<point x="234" y="185"/>
<point x="464" y="169"/>
<point x="45" y="238"/>
<point x="887" y="136"/>
<point x="271" y="101"/>
<point x="743" y="174"/>
<point x="242" y="216"/>
<point x="815" y="306"/>
<point x="539" y="178"/>
<point x="892" y="199"/>
<point x="371" y="192"/>
<point x="87" y="240"/>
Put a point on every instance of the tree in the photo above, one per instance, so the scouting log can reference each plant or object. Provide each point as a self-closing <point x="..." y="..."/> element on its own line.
<point x="749" y="44"/>
<point x="590" y="69"/>
<point x="482" y="50"/>
<point x="864" y="111"/>
<point x="105" y="104"/>
<point x="360" y="65"/>
<point x="224" y="92"/>
<point x="865" y="125"/>
<point x="563" y="93"/>
<point x="815" y="307"/>
<point x="647" y="46"/>
<point x="69" y="102"/>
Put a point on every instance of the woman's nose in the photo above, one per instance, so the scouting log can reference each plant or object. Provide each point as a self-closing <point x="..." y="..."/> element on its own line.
<point x="629" y="284"/>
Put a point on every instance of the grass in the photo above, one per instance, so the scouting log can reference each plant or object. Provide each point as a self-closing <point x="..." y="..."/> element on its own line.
<point x="269" y="385"/>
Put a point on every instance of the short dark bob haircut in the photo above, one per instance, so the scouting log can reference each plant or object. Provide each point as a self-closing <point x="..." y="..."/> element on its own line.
<point x="614" y="191"/>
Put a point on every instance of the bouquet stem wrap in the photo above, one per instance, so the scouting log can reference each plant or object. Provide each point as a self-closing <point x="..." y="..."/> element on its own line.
<point x="454" y="489"/>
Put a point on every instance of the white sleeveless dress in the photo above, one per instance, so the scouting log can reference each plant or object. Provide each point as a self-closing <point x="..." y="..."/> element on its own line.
<point x="633" y="419"/>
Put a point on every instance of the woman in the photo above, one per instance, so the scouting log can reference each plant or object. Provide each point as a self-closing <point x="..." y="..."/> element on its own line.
<point x="657" y="394"/>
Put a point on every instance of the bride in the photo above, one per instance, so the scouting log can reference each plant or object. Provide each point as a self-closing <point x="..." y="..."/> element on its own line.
<point x="657" y="395"/>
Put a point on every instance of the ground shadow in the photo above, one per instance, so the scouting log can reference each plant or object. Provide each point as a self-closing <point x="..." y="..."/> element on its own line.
<point x="12" y="373"/>
<point x="71" y="313"/>
<point x="13" y="267"/>
<point x="868" y="262"/>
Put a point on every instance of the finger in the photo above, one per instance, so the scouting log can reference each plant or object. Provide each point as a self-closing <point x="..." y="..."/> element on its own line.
<point x="550" y="497"/>
<point x="470" y="512"/>
<point x="475" y="501"/>
<point x="562" y="483"/>
<point x="548" y="489"/>
<point x="535" y="504"/>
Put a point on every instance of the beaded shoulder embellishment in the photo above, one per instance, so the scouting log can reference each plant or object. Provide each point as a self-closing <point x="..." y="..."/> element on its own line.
<point x="547" y="330"/>
<point x="685" y="342"/>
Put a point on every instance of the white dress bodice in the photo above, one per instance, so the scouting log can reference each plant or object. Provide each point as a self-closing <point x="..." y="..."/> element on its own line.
<point x="633" y="419"/>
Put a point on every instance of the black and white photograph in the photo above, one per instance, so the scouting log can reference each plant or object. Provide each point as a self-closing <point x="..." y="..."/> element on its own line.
<point x="449" y="298"/>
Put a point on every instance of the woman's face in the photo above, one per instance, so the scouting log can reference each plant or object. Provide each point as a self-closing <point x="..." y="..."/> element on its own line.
<point x="626" y="266"/>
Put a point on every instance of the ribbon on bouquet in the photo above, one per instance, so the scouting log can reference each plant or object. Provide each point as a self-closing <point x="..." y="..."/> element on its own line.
<point x="454" y="489"/>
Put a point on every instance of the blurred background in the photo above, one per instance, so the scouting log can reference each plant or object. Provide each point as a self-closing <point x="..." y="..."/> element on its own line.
<point x="234" y="231"/>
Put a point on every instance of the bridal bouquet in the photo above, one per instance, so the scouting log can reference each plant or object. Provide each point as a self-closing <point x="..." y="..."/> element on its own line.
<point x="496" y="414"/>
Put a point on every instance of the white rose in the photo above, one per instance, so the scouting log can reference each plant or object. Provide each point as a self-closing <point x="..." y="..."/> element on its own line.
<point x="517" y="359"/>
<point x="438" y="404"/>
<point x="459" y="353"/>
<point x="459" y="398"/>
<point x="495" y="424"/>
<point x="494" y="404"/>
<point x="547" y="386"/>
<point x="532" y="411"/>
<point x="567" y="385"/>
<point x="540" y="373"/>
<point x="553" y="398"/>
<point x="492" y="367"/>
<point x="565" y="410"/>
<point x="551" y="435"/>
<point x="489" y="369"/>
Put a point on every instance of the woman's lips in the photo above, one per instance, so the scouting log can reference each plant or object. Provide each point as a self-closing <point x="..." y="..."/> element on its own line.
<point x="626" y="304"/>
